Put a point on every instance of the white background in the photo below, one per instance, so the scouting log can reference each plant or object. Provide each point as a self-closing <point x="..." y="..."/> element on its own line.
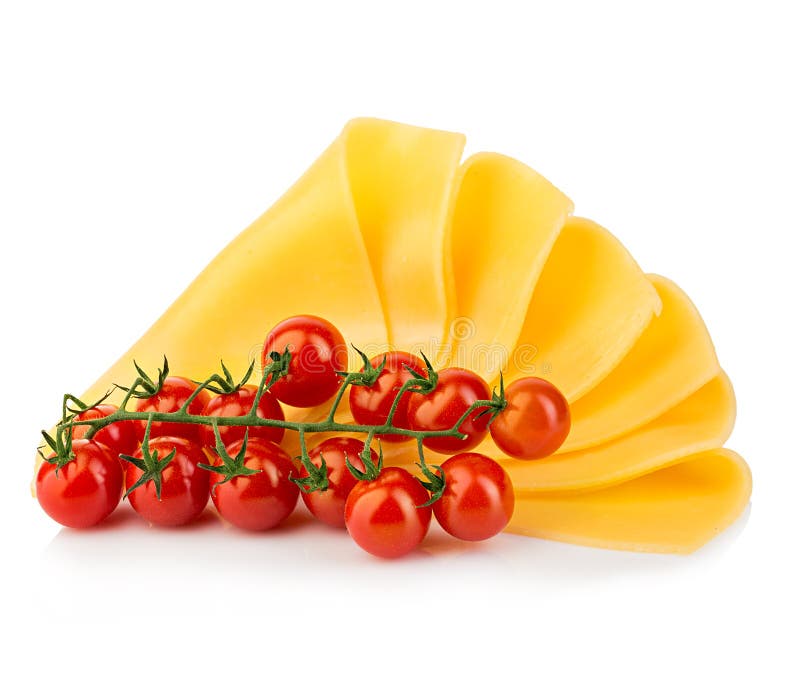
<point x="136" y="141"/>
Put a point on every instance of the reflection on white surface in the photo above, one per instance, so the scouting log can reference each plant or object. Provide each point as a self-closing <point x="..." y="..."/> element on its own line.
<point x="274" y="570"/>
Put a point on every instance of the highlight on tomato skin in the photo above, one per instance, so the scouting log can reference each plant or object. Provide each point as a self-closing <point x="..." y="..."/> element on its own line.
<point x="184" y="485"/>
<point x="318" y="352"/>
<point x="84" y="491"/>
<point x="328" y="506"/>
<point x="239" y="403"/>
<point x="370" y="406"/>
<point x="478" y="499"/>
<point x="535" y="422"/>
<point x="386" y="516"/>
<point x="260" y="501"/>
<point x="172" y="396"/>
<point x="440" y="410"/>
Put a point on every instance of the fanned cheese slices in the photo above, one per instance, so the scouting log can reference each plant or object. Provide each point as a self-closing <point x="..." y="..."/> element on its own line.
<point x="481" y="264"/>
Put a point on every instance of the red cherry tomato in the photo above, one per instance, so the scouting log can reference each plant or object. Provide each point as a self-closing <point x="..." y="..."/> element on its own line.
<point x="258" y="501"/>
<point x="171" y="398"/>
<point x="328" y="505"/>
<point x="536" y="421"/>
<point x="318" y="351"/>
<point x="239" y="403"/>
<point x="119" y="437"/>
<point x="370" y="405"/>
<point x="85" y="491"/>
<point x="478" y="498"/>
<point x="383" y="516"/>
<point x="184" y="485"/>
<point x="440" y="409"/>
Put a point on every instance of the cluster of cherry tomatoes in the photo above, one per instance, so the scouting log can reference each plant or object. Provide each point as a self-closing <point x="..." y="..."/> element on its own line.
<point x="387" y="511"/>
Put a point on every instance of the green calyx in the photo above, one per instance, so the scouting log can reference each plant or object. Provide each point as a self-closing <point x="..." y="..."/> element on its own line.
<point x="60" y="445"/>
<point x="368" y="375"/>
<point x="436" y="483"/>
<point x="144" y="386"/>
<point x="317" y="479"/>
<point x="224" y="384"/>
<point x="371" y="469"/>
<point x="231" y="467"/>
<point x="278" y="367"/>
<point x="150" y="464"/>
<point x="496" y="405"/>
<point x="422" y="383"/>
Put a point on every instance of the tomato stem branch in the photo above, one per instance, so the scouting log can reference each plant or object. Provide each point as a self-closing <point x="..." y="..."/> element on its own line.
<point x="277" y="367"/>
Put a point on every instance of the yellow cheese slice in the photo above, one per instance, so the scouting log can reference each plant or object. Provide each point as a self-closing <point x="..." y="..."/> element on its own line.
<point x="673" y="510"/>
<point x="505" y="220"/>
<point x="672" y="359"/>
<point x="703" y="421"/>
<point x="590" y="305"/>
<point x="402" y="179"/>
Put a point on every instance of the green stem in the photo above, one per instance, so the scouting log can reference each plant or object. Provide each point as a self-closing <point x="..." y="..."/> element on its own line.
<point x="273" y="372"/>
<point x="396" y="402"/>
<point x="191" y="398"/>
<point x="348" y="379"/>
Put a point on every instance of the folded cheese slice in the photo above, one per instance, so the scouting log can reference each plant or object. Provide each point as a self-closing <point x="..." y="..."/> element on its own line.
<point x="673" y="358"/>
<point x="590" y="305"/>
<point x="506" y="219"/>
<point x="401" y="179"/>
<point x="673" y="510"/>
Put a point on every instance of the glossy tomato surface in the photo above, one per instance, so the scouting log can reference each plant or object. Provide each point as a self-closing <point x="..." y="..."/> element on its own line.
<point x="441" y="409"/>
<point x="184" y="485"/>
<point x="536" y="421"/>
<point x="171" y="398"/>
<point x="383" y="517"/>
<point x="260" y="501"/>
<point x="478" y="498"/>
<point x="318" y="351"/>
<point x="239" y="403"/>
<point x="328" y="505"/>
<point x="370" y="405"/>
<point x="119" y="437"/>
<point x="84" y="491"/>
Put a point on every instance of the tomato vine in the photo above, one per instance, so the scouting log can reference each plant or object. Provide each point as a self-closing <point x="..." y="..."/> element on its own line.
<point x="145" y="385"/>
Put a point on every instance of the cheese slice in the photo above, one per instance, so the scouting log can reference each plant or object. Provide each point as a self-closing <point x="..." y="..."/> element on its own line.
<point x="591" y="304"/>
<point x="505" y="221"/>
<point x="402" y="179"/>
<point x="674" y="510"/>
<point x="672" y="359"/>
<point x="701" y="422"/>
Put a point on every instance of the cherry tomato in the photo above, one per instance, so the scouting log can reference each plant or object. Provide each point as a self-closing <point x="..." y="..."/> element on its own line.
<point x="85" y="491"/>
<point x="478" y="498"/>
<point x="328" y="505"/>
<point x="371" y="405"/>
<point x="318" y="351"/>
<point x="184" y="485"/>
<point x="119" y="437"/>
<point x="258" y="501"/>
<point x="239" y="403"/>
<point x="440" y="409"/>
<point x="171" y="398"/>
<point x="536" y="421"/>
<point x="383" y="516"/>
